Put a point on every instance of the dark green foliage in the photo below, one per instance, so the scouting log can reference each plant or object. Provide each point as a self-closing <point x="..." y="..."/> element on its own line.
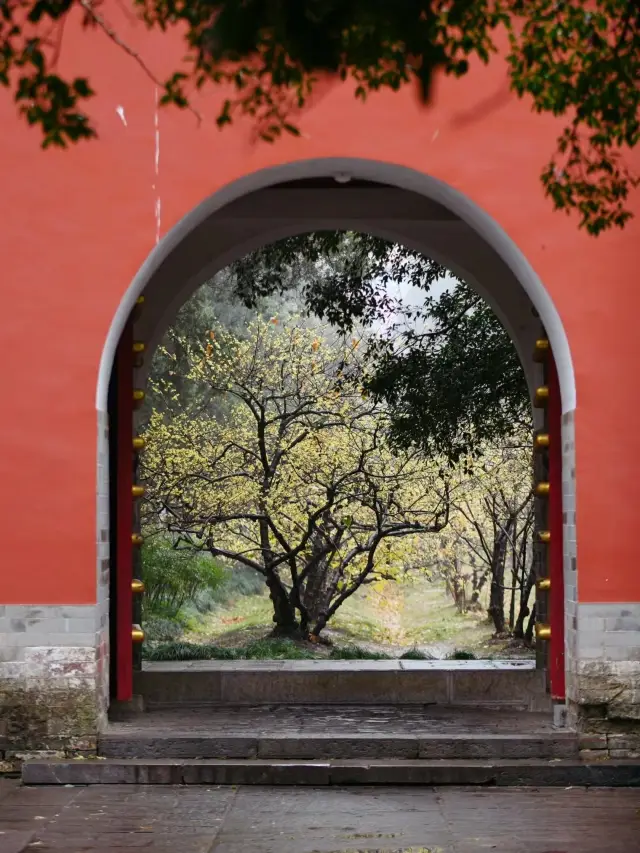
<point x="348" y="287"/>
<point x="450" y="387"/>
<point x="461" y="655"/>
<point x="160" y="629"/>
<point x="456" y="386"/>
<point x="187" y="651"/>
<point x="275" y="648"/>
<point x="174" y="578"/>
<point x="238" y="581"/>
<point x="356" y="653"/>
<point x="267" y="649"/>
<point x="416" y="654"/>
<point x="447" y="369"/>
<point x="571" y="59"/>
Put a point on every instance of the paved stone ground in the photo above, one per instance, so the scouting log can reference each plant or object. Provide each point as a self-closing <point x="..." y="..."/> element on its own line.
<point x="115" y="819"/>
<point x="300" y="719"/>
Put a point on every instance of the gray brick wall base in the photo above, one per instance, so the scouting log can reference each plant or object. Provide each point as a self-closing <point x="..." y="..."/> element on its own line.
<point x="603" y="680"/>
<point x="51" y="681"/>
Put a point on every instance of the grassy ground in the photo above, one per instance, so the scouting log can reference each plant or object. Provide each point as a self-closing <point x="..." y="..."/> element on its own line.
<point x="390" y="621"/>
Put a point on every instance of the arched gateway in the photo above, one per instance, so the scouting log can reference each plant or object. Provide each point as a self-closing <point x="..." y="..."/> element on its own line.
<point x="88" y="232"/>
<point x="389" y="201"/>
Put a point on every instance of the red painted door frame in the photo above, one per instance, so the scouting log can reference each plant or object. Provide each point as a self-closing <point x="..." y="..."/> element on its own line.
<point x="555" y="521"/>
<point x="124" y="516"/>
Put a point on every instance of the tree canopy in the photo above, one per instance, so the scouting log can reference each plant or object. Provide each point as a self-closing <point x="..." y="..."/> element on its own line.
<point x="295" y="479"/>
<point x="444" y="366"/>
<point x="577" y="60"/>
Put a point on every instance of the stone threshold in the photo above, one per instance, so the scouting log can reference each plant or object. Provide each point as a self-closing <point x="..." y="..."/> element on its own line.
<point x="503" y="773"/>
<point x="318" y="666"/>
<point x="515" y="685"/>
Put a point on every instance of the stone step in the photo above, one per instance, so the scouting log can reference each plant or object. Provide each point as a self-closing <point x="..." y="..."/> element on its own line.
<point x="329" y="746"/>
<point x="308" y="732"/>
<point x="523" y="772"/>
<point x="499" y="685"/>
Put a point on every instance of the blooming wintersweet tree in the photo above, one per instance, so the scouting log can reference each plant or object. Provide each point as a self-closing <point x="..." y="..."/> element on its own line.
<point x="282" y="463"/>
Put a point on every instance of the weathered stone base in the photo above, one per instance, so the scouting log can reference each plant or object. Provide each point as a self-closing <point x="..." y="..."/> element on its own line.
<point x="47" y="718"/>
<point x="606" y="708"/>
<point x="53" y="667"/>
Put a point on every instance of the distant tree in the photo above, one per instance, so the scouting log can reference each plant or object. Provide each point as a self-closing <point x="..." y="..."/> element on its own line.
<point x="214" y="304"/>
<point x="572" y="59"/>
<point x="488" y="541"/>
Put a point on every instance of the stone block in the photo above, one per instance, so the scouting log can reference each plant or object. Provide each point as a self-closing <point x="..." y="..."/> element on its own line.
<point x="365" y="686"/>
<point x="626" y="639"/>
<point x="176" y="687"/>
<point x="627" y="740"/>
<point x="410" y="773"/>
<point x="352" y="746"/>
<point x="43" y="638"/>
<point x="517" y="688"/>
<point x="60" y="655"/>
<point x="592" y="741"/>
<point x="255" y="773"/>
<point x="18" y="841"/>
<point x="81" y="744"/>
<point x="78" y="611"/>
<point x="34" y="754"/>
<point x="196" y="746"/>
<point x="81" y="772"/>
<point x="622" y="623"/>
<point x="623" y="710"/>
<point x="125" y="710"/>
<point x="594" y="754"/>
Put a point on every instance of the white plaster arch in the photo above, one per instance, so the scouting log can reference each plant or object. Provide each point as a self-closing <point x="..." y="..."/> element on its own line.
<point x="388" y="174"/>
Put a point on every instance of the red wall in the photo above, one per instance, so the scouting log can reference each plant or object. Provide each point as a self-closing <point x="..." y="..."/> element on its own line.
<point x="78" y="224"/>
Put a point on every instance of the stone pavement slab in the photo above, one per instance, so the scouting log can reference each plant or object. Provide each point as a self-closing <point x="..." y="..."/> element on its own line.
<point x="114" y="819"/>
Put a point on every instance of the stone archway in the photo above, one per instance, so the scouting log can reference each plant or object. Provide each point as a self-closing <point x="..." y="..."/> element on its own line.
<point x="390" y="201"/>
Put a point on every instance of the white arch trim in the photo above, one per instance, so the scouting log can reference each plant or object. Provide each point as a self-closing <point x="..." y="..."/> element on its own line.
<point x="360" y="169"/>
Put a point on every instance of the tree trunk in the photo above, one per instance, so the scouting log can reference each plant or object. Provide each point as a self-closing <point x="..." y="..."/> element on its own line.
<point x="515" y="581"/>
<point x="477" y="584"/>
<point x="320" y="583"/>
<point x="284" y="614"/>
<point x="496" y="595"/>
<point x="457" y="587"/>
<point x="518" y="628"/>
<point x="528" y="634"/>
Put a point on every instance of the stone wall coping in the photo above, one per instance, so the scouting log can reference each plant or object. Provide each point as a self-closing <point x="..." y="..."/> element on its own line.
<point x="319" y="666"/>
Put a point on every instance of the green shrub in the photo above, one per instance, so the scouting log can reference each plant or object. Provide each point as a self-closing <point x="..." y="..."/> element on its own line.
<point x="174" y="578"/>
<point x="188" y="651"/>
<point x="275" y="649"/>
<point x="415" y="654"/>
<point x="356" y="653"/>
<point x="159" y="629"/>
<point x="460" y="654"/>
<point x="267" y="649"/>
<point x="237" y="581"/>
